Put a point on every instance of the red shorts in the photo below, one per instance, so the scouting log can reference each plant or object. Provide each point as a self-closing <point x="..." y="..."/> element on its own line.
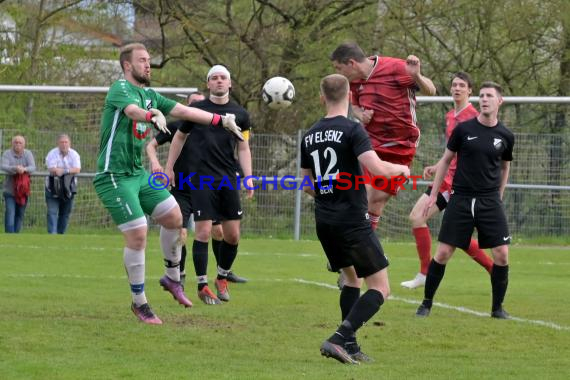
<point x="398" y="154"/>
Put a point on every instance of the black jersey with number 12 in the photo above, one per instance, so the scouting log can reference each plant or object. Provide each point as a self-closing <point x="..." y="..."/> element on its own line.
<point x="330" y="147"/>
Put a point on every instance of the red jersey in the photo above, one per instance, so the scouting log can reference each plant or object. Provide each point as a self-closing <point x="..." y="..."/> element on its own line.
<point x="451" y="121"/>
<point x="391" y="93"/>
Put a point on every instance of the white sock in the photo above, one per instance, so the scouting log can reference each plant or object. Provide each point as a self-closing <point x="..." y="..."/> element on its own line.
<point x="172" y="251"/>
<point x="202" y="279"/>
<point x="223" y="272"/>
<point x="134" y="264"/>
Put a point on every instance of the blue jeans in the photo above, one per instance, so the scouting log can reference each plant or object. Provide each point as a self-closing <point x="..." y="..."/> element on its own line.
<point x="58" y="211"/>
<point x="14" y="215"/>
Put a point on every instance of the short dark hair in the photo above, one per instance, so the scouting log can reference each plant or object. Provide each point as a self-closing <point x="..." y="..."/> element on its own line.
<point x="334" y="87"/>
<point x="192" y="93"/>
<point x="347" y="51"/>
<point x="491" y="84"/>
<point x="463" y="76"/>
<point x="127" y="52"/>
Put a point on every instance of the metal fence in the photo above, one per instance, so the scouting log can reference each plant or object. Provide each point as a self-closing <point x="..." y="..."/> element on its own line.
<point x="537" y="199"/>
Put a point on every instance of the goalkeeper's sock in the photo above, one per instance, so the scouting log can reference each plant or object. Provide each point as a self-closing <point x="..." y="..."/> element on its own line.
<point x="374" y="220"/>
<point x="134" y="265"/>
<point x="171" y="249"/>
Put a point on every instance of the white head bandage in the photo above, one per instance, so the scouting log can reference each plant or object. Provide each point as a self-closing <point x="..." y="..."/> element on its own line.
<point x="218" y="69"/>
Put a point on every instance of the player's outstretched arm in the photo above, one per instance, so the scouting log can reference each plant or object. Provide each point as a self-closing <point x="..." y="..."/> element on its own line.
<point x="202" y="117"/>
<point x="382" y="168"/>
<point x="173" y="153"/>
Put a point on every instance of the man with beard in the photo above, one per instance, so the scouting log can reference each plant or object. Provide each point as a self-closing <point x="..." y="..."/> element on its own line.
<point x="218" y="198"/>
<point x="125" y="187"/>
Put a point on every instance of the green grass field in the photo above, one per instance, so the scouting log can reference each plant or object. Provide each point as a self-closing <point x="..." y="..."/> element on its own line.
<point x="64" y="314"/>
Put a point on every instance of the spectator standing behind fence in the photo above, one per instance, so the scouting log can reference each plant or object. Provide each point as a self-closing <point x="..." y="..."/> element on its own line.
<point x="18" y="163"/>
<point x="63" y="164"/>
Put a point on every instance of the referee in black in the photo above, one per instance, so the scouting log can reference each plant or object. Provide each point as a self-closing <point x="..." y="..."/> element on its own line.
<point x="484" y="148"/>
<point x="337" y="145"/>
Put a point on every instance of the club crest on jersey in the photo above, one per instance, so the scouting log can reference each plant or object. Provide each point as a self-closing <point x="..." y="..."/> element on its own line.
<point x="498" y="143"/>
<point x="140" y="130"/>
<point x="148" y="104"/>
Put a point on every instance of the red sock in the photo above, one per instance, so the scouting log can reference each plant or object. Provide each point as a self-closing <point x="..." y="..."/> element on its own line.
<point x="423" y="244"/>
<point x="479" y="255"/>
<point x="374" y="219"/>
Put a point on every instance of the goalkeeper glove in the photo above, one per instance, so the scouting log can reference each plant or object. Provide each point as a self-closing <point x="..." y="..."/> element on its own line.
<point x="157" y="119"/>
<point x="229" y="124"/>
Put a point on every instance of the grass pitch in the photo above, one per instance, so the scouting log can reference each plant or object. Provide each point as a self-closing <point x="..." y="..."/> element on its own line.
<point x="64" y="314"/>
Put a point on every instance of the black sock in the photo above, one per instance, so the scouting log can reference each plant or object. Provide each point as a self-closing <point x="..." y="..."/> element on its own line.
<point x="228" y="253"/>
<point x="183" y="259"/>
<point x="348" y="297"/>
<point x="216" y="249"/>
<point x="200" y="257"/>
<point x="364" y="309"/>
<point x="499" y="283"/>
<point x="434" y="277"/>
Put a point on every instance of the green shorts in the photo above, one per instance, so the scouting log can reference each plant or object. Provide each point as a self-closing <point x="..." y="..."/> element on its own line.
<point x="128" y="197"/>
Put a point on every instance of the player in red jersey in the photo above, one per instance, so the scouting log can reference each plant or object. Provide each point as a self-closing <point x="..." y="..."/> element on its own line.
<point x="461" y="88"/>
<point x="383" y="99"/>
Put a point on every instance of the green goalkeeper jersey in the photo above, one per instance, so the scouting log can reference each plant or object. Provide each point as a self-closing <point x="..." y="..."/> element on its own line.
<point x="122" y="139"/>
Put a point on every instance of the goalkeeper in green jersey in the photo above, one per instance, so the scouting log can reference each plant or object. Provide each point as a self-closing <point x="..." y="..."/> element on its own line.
<point x="126" y="189"/>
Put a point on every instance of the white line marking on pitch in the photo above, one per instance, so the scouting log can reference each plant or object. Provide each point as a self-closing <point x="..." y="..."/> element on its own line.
<point x="460" y="309"/>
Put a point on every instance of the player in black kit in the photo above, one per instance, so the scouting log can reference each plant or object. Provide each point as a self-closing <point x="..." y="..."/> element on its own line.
<point x="484" y="149"/>
<point x="337" y="145"/>
<point x="213" y="185"/>
<point x="189" y="156"/>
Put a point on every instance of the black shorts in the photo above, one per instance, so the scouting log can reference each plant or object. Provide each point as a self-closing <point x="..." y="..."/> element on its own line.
<point x="218" y="205"/>
<point x="465" y="213"/>
<point x="441" y="202"/>
<point x="347" y="245"/>
<point x="184" y="200"/>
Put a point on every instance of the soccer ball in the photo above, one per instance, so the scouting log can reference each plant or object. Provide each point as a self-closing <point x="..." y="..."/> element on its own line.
<point x="278" y="93"/>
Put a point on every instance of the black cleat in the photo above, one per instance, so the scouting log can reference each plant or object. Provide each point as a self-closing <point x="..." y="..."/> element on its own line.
<point x="423" y="311"/>
<point x="355" y="353"/>
<point x="500" y="314"/>
<point x="232" y="277"/>
<point x="331" y="350"/>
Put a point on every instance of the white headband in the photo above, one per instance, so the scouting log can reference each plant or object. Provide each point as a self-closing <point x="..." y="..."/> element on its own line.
<point x="218" y="69"/>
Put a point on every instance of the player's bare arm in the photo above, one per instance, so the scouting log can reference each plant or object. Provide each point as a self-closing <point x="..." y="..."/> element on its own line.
<point x="207" y="118"/>
<point x="505" y="168"/>
<point x="442" y="167"/>
<point x="306" y="173"/>
<point x="173" y="153"/>
<point x="413" y="67"/>
<point x="382" y="168"/>
<point x="429" y="171"/>
<point x="244" y="158"/>
<point x="153" y="157"/>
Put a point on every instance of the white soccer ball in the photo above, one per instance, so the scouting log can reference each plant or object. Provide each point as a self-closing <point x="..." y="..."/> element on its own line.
<point x="278" y="93"/>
